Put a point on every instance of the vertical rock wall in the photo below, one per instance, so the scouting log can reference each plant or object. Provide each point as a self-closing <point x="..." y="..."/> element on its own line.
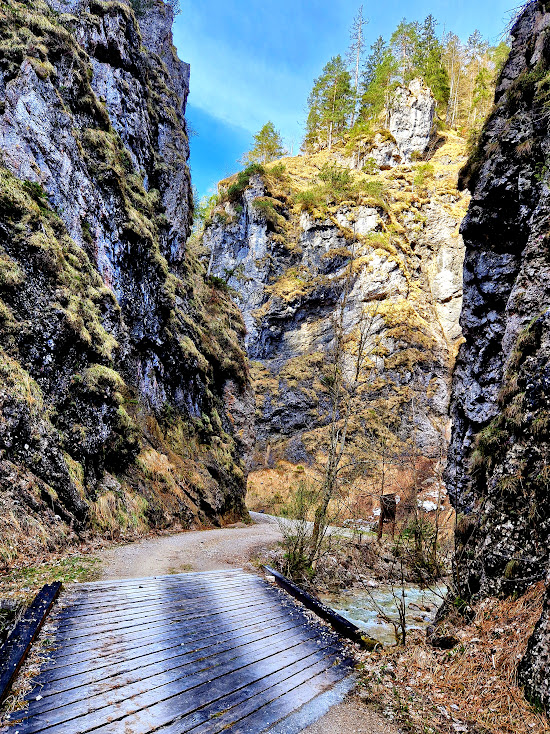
<point x="289" y="266"/>
<point x="133" y="358"/>
<point x="499" y="463"/>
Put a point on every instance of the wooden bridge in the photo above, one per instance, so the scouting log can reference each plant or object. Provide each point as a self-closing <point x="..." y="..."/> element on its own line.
<point x="195" y="652"/>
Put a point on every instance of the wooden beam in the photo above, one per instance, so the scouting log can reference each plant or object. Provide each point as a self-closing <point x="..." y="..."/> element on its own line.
<point x="16" y="648"/>
<point x="340" y="624"/>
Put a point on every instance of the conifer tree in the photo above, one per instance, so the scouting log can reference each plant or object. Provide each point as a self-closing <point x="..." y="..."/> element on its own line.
<point x="268" y="145"/>
<point x="404" y="44"/>
<point x="378" y="80"/>
<point x="330" y="105"/>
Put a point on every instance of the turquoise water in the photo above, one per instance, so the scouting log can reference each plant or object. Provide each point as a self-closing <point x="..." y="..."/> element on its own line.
<point x="363" y="608"/>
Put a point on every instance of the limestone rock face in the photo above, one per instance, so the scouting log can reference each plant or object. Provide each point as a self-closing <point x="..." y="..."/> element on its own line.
<point x="499" y="456"/>
<point x="130" y="357"/>
<point x="411" y="118"/>
<point x="289" y="271"/>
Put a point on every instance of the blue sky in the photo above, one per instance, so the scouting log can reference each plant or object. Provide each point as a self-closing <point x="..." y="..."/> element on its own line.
<point x="255" y="61"/>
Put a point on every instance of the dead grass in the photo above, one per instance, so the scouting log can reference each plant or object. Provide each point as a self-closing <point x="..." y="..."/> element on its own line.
<point x="472" y="688"/>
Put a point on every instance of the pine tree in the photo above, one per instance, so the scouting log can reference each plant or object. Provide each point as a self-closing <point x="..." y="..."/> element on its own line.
<point x="268" y="145"/>
<point x="429" y="62"/>
<point x="330" y="104"/>
<point x="378" y="52"/>
<point x="404" y="44"/>
<point x="380" y="71"/>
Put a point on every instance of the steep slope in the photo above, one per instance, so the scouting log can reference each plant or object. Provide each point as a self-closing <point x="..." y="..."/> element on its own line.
<point x="499" y="461"/>
<point x="292" y="239"/>
<point x="124" y="390"/>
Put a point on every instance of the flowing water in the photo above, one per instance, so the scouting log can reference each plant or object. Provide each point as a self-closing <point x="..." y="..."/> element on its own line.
<point x="363" y="608"/>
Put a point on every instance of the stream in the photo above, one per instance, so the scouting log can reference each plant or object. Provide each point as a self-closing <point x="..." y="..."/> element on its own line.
<point x="362" y="608"/>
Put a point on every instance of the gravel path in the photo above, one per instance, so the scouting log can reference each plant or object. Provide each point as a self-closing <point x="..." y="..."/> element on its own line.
<point x="197" y="550"/>
<point x="228" y="548"/>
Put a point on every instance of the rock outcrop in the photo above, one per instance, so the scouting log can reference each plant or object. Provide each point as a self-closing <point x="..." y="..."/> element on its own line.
<point x="411" y="118"/>
<point x="120" y="364"/>
<point x="291" y="240"/>
<point x="499" y="462"/>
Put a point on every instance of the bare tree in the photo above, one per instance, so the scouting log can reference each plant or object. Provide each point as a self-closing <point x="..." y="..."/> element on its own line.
<point x="347" y="372"/>
<point x="355" y="54"/>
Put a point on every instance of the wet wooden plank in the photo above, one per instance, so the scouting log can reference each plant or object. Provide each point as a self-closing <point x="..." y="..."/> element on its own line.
<point x="68" y="620"/>
<point x="88" y="604"/>
<point x="163" y="661"/>
<point x="260" y="711"/>
<point x="194" y="651"/>
<point x="143" y="622"/>
<point x="50" y="697"/>
<point x="266" y="716"/>
<point x="14" y="651"/>
<point x="227" y="706"/>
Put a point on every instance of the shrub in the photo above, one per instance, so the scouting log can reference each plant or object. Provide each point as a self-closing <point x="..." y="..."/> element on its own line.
<point x="370" y="167"/>
<point x="338" y="180"/>
<point x="235" y="191"/>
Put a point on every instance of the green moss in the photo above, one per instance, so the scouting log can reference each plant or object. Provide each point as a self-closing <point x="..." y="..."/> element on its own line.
<point x="20" y="383"/>
<point x="268" y="206"/>
<point x="101" y="380"/>
<point x="11" y="274"/>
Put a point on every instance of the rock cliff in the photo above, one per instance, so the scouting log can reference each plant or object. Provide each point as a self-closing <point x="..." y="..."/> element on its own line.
<point x="292" y="240"/>
<point x="410" y="123"/>
<point x="499" y="462"/>
<point x="124" y="396"/>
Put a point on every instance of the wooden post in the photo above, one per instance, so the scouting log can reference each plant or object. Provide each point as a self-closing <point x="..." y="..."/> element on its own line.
<point x="388" y="509"/>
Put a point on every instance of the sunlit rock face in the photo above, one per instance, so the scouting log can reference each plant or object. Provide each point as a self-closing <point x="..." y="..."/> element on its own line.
<point x="290" y="271"/>
<point x="406" y="130"/>
<point x="498" y="469"/>
<point x="411" y="118"/>
<point x="134" y="359"/>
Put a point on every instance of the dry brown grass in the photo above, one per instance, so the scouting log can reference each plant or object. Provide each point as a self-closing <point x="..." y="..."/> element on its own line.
<point x="472" y="686"/>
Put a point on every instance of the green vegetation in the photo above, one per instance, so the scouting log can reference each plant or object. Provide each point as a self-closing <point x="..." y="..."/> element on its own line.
<point x="69" y="569"/>
<point x="330" y="105"/>
<point x="235" y="190"/>
<point x="346" y="106"/>
<point x="268" y="146"/>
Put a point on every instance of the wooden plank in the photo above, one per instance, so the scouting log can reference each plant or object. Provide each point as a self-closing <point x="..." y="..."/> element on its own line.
<point x="140" y="679"/>
<point x="263" y="706"/>
<point x="175" y="581"/>
<point x="67" y="620"/>
<point x="15" y="649"/>
<point x="268" y="714"/>
<point x="166" y="699"/>
<point x="150" y="715"/>
<point x="339" y="623"/>
<point x="175" y="657"/>
<point x="141" y="621"/>
<point x="119" y="650"/>
<point x="102" y="584"/>
<point x="87" y="601"/>
<point x="226" y="705"/>
<point x="212" y="621"/>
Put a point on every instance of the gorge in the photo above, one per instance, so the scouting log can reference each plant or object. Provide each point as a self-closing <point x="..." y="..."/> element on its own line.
<point x="152" y="366"/>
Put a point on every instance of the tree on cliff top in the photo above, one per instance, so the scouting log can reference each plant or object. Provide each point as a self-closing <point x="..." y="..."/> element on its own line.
<point x="331" y="103"/>
<point x="268" y="146"/>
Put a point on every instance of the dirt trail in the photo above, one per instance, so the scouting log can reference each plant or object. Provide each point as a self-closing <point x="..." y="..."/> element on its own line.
<point x="199" y="550"/>
<point x="229" y="548"/>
